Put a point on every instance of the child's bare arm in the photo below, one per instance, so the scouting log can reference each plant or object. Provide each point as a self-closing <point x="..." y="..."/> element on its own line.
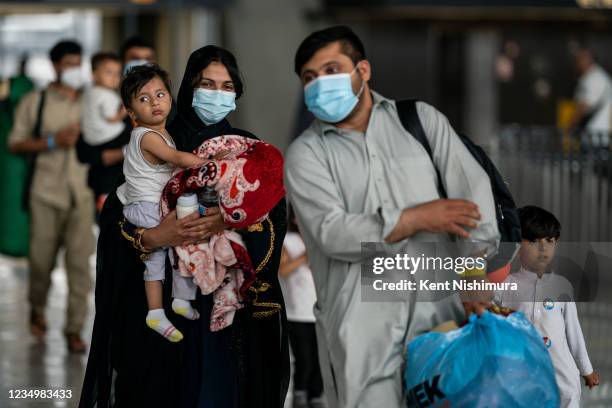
<point x="153" y="144"/>
<point x="186" y="160"/>
<point x="288" y="265"/>
<point x="121" y="114"/>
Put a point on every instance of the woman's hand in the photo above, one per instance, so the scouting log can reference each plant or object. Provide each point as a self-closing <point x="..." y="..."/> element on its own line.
<point x="170" y="232"/>
<point x="192" y="229"/>
<point x="207" y="225"/>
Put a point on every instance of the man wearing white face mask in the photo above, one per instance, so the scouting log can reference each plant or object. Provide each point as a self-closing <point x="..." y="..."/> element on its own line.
<point x="356" y="175"/>
<point x="61" y="205"/>
<point x="136" y="51"/>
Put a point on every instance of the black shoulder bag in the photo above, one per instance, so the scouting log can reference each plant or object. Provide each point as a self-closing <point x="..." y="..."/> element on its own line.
<point x="31" y="158"/>
<point x="508" y="221"/>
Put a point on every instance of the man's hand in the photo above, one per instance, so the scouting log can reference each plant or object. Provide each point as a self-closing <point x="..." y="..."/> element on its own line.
<point x="591" y="380"/>
<point x="68" y="136"/>
<point x="475" y="307"/>
<point x="438" y="216"/>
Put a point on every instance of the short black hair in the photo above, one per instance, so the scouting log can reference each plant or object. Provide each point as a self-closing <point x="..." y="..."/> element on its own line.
<point x="134" y="42"/>
<point x="537" y="223"/>
<point x="101" y="57"/>
<point x="212" y="53"/>
<point x="138" y="77"/>
<point x="63" y="48"/>
<point x="351" y="45"/>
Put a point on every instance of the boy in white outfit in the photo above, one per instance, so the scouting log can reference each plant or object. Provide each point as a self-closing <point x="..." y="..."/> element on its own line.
<point x="547" y="301"/>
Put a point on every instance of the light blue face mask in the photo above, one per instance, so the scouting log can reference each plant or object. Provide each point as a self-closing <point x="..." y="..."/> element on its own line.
<point x="330" y="97"/>
<point x="212" y="106"/>
<point x="133" y="63"/>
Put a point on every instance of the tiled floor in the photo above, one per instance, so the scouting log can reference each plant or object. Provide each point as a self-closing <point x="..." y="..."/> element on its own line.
<point x="24" y="364"/>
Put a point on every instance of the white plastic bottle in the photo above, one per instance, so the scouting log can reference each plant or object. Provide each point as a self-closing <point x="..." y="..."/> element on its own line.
<point x="186" y="204"/>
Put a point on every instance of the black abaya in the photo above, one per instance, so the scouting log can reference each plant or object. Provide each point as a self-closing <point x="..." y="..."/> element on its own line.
<point x="244" y="365"/>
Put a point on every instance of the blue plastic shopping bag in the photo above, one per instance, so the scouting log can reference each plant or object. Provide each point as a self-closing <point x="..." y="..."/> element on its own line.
<point x="493" y="361"/>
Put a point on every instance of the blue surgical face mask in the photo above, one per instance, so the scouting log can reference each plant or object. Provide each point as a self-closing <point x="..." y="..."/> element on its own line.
<point x="133" y="63"/>
<point x="212" y="106"/>
<point x="330" y="97"/>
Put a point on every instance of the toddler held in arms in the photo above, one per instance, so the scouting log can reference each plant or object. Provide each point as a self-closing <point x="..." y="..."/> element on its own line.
<point x="150" y="160"/>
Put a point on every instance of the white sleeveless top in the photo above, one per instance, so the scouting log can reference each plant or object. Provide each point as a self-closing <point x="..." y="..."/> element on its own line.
<point x="298" y="288"/>
<point x="144" y="181"/>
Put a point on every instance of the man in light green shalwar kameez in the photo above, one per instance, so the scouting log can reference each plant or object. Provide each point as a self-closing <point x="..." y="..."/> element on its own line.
<point x="356" y="175"/>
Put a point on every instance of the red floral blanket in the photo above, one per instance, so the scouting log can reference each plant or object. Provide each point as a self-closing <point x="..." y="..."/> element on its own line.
<point x="249" y="183"/>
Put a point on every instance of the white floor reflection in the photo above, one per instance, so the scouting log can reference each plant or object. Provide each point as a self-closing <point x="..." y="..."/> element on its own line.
<point x="27" y="364"/>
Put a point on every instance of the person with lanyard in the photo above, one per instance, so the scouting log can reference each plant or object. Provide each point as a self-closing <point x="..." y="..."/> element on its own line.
<point x="61" y="205"/>
<point x="246" y="364"/>
<point x="356" y="175"/>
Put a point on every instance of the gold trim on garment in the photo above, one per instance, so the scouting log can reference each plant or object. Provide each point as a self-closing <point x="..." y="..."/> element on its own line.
<point x="125" y="234"/>
<point x="267" y="313"/>
<point x="255" y="227"/>
<point x="143" y="255"/>
<point x="276" y="307"/>
<point x="270" y="248"/>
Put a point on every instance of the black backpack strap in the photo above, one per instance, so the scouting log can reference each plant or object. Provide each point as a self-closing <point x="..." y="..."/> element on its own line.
<point x="39" y="113"/>
<point x="36" y="134"/>
<point x="407" y="112"/>
<point x="409" y="117"/>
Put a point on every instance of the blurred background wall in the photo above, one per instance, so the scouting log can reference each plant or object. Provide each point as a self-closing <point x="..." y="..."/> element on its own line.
<point x="498" y="69"/>
<point x="484" y="64"/>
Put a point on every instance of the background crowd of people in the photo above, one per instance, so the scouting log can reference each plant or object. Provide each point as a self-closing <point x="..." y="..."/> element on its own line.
<point x="352" y="176"/>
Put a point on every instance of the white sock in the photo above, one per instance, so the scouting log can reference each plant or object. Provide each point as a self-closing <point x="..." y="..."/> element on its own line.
<point x="183" y="308"/>
<point x="157" y="320"/>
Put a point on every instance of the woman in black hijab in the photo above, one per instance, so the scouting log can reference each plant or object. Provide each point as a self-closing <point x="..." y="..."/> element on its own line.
<point x="244" y="365"/>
